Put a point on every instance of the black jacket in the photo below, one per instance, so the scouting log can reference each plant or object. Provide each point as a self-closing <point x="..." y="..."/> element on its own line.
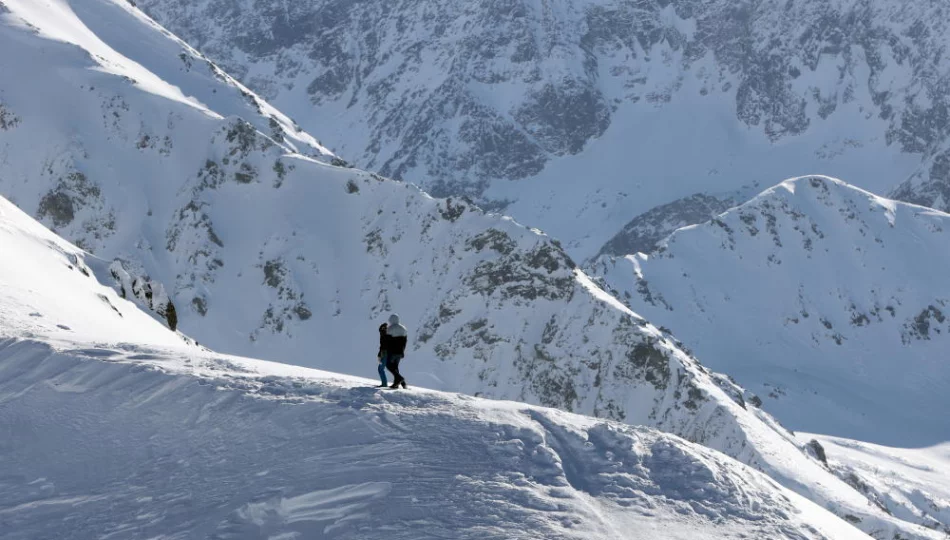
<point x="382" y="340"/>
<point x="395" y="345"/>
<point x="391" y="345"/>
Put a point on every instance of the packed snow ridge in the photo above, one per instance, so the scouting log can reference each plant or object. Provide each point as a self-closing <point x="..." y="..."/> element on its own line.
<point x="115" y="426"/>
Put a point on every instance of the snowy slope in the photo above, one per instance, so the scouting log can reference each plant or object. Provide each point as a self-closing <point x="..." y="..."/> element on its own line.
<point x="825" y="300"/>
<point x="912" y="483"/>
<point x="829" y="303"/>
<point x="266" y="252"/>
<point x="583" y="115"/>
<point x="210" y="446"/>
<point x="50" y="290"/>
<point x="113" y="426"/>
<point x="155" y="61"/>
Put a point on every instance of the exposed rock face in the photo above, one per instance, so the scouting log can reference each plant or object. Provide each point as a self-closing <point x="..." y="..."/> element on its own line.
<point x="147" y="294"/>
<point x="930" y="185"/>
<point x="8" y="120"/>
<point x="645" y="232"/>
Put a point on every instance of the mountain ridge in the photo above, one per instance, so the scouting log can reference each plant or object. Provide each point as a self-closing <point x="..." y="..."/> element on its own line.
<point x="854" y="281"/>
<point x="579" y="117"/>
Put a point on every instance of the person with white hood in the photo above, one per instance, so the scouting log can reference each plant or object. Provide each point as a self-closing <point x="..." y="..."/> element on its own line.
<point x="394" y="348"/>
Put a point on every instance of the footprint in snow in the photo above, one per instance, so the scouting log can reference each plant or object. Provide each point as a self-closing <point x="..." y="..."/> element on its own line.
<point x="36" y="314"/>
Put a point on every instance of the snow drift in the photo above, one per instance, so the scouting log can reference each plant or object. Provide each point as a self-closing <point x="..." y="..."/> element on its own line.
<point x="133" y="442"/>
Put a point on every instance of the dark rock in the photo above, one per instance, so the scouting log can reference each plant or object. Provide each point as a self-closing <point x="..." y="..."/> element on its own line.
<point x="645" y="231"/>
<point x="817" y="451"/>
<point x="58" y="206"/>
<point x="274" y="273"/>
<point x="200" y="305"/>
<point x="171" y="316"/>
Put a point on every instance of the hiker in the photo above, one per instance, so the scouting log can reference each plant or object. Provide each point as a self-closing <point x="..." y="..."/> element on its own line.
<point x="381" y="356"/>
<point x="394" y="345"/>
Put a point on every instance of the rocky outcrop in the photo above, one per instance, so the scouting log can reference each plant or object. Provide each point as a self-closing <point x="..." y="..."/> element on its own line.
<point x="147" y="294"/>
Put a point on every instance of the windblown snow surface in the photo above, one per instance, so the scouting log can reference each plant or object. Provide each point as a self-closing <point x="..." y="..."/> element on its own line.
<point x="112" y="426"/>
<point x="218" y="203"/>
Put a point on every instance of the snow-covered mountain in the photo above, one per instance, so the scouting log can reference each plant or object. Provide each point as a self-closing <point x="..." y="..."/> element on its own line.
<point x="913" y="483"/>
<point x="579" y="116"/>
<point x="52" y="291"/>
<point x="266" y="251"/>
<point x="828" y="302"/>
<point x="263" y="250"/>
<point x="114" y="426"/>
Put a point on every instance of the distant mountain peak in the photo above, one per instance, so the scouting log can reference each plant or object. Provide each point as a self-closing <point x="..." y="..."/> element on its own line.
<point x="812" y="294"/>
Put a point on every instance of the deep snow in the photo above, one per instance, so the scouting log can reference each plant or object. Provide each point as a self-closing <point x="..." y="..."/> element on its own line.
<point x="134" y="442"/>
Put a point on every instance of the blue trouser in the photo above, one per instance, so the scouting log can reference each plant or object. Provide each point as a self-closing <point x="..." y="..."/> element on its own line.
<point x="382" y="370"/>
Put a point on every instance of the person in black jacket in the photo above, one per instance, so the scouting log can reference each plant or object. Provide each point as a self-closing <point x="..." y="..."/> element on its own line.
<point x="381" y="356"/>
<point x="394" y="343"/>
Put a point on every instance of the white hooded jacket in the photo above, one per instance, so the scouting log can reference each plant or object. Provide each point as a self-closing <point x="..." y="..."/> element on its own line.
<point x="396" y="337"/>
<point x="395" y="329"/>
